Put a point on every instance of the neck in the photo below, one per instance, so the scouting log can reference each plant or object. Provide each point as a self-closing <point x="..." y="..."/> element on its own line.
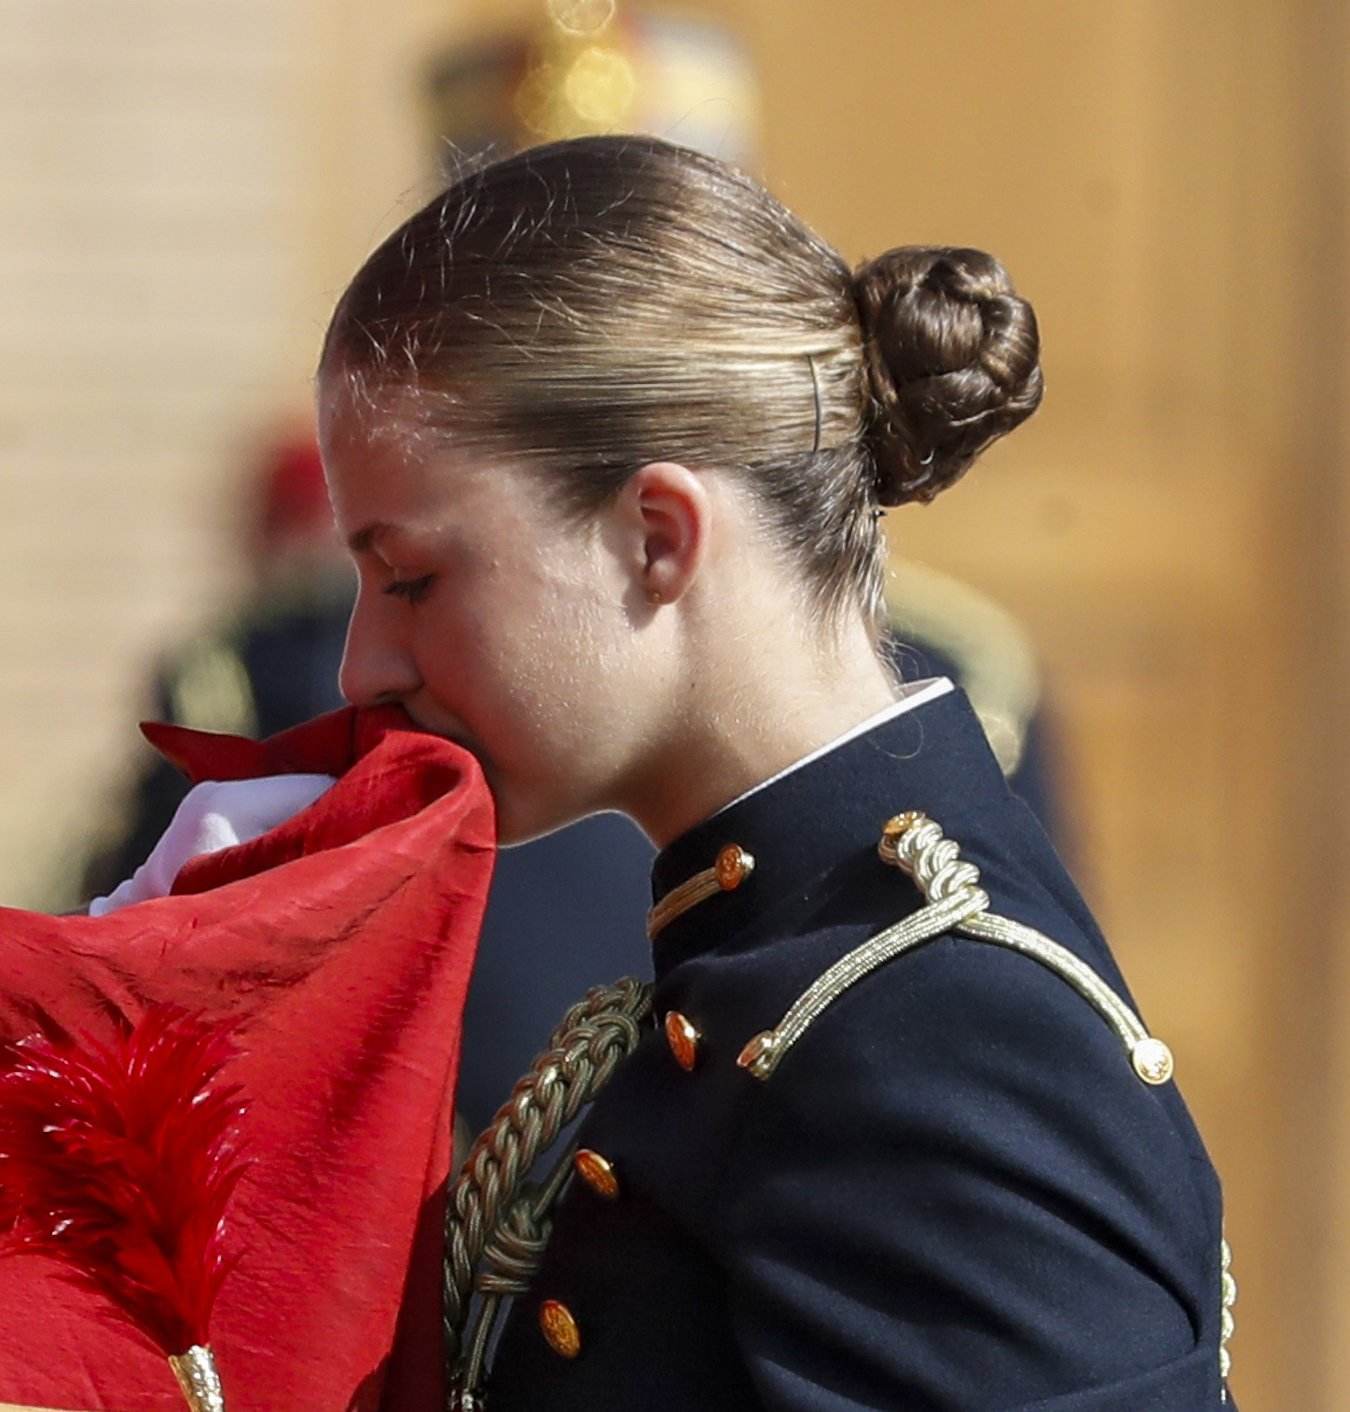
<point x="743" y="728"/>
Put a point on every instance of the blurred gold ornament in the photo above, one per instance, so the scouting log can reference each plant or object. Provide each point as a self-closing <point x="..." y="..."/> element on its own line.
<point x="583" y="18"/>
<point x="584" y="67"/>
<point x="600" y="85"/>
<point x="571" y="94"/>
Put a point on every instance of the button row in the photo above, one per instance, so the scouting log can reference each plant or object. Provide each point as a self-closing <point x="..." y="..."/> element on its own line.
<point x="557" y="1323"/>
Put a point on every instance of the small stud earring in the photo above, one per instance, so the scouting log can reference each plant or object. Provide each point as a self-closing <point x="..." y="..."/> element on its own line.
<point x="654" y="595"/>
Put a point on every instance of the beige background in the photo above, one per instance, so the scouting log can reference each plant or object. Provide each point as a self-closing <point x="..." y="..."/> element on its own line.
<point x="185" y="185"/>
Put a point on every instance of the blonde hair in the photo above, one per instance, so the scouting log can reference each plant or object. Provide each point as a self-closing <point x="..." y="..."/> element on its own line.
<point x="596" y="304"/>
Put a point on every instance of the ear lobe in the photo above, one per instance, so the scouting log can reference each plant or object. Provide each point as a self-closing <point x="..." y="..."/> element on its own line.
<point x="674" y="514"/>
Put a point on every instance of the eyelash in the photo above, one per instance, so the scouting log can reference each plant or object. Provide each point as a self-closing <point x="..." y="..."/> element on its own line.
<point x="412" y="590"/>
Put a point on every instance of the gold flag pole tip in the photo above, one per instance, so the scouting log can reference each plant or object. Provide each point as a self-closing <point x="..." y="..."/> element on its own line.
<point x="198" y="1378"/>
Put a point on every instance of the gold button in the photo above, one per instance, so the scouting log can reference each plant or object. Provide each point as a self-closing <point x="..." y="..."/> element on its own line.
<point x="559" y="1328"/>
<point x="1152" y="1061"/>
<point x="893" y="832"/>
<point x="597" y="1172"/>
<point x="898" y="825"/>
<point x="683" y="1039"/>
<point x="733" y="866"/>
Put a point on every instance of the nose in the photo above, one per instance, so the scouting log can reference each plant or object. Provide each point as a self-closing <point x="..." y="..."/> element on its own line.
<point x="377" y="666"/>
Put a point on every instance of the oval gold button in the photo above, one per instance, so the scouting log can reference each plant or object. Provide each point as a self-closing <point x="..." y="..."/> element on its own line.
<point x="683" y="1040"/>
<point x="597" y="1172"/>
<point x="1153" y="1061"/>
<point x="732" y="867"/>
<point x="559" y="1328"/>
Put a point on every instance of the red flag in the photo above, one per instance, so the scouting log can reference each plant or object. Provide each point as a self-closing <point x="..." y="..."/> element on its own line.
<point x="338" y="946"/>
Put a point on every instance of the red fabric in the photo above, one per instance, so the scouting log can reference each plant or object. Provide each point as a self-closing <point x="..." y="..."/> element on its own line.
<point x="342" y="941"/>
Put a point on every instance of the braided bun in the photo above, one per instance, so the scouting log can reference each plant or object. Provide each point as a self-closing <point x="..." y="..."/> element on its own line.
<point x="952" y="357"/>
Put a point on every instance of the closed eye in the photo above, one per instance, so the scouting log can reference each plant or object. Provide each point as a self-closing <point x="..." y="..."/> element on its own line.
<point x="413" y="590"/>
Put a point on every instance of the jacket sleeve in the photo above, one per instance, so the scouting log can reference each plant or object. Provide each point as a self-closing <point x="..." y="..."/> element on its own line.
<point x="953" y="1192"/>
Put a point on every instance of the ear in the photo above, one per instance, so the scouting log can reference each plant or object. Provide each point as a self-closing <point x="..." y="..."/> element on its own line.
<point x="667" y="517"/>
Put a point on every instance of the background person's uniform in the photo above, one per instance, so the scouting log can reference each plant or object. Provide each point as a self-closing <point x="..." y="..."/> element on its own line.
<point x="953" y="1193"/>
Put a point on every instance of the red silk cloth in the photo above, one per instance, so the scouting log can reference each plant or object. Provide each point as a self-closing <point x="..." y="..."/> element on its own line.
<point x="342" y="942"/>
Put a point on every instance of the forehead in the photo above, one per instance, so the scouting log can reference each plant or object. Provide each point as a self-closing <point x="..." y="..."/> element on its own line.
<point x="376" y="459"/>
<point x="385" y="467"/>
<point x="356" y="423"/>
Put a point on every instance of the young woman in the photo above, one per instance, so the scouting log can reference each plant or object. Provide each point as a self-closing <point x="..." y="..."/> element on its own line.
<point x="609" y="433"/>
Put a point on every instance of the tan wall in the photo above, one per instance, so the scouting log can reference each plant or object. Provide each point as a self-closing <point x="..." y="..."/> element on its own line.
<point x="1325" y="776"/>
<point x="186" y="185"/>
<point x="183" y="189"/>
<point x="1151" y="174"/>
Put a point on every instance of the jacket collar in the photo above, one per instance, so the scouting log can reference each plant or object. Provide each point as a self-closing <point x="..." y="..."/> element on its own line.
<point x="828" y="812"/>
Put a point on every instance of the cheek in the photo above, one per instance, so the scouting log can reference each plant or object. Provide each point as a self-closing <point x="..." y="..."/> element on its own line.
<point x="490" y="665"/>
<point x="529" y="657"/>
<point x="573" y="639"/>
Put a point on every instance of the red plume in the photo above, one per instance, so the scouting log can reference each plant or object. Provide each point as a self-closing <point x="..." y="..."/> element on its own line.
<point x="119" y="1159"/>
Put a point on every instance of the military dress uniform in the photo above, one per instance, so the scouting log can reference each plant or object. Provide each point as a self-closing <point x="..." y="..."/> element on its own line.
<point x="866" y="1155"/>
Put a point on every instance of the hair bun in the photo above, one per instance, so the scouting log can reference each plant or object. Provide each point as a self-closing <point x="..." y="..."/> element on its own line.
<point x="953" y="358"/>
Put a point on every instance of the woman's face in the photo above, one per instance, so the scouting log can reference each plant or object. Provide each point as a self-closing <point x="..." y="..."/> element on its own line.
<point x="489" y="620"/>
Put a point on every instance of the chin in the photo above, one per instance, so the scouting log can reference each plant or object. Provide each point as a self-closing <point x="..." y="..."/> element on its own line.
<point x="522" y="820"/>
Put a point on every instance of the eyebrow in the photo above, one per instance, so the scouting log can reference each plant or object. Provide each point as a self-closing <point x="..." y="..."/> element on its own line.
<point x="365" y="538"/>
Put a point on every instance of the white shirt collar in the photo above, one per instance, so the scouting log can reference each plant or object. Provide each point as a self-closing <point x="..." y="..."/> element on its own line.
<point x="911" y="695"/>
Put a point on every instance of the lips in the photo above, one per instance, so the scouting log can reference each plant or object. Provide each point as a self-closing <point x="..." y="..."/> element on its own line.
<point x="447" y="730"/>
<point x="455" y="733"/>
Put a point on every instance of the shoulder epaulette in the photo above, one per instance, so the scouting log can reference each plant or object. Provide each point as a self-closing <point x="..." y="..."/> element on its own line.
<point x="953" y="902"/>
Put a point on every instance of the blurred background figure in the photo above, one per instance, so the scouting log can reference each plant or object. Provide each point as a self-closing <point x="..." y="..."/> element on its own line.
<point x="267" y="665"/>
<point x="594" y="66"/>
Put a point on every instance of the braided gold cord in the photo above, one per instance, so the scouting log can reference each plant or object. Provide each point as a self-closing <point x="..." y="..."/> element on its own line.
<point x="1228" y="1297"/>
<point x="680" y="899"/>
<point x="953" y="901"/>
<point x="496" y="1228"/>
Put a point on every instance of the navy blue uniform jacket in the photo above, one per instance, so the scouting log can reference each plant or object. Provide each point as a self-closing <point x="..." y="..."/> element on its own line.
<point x="953" y="1193"/>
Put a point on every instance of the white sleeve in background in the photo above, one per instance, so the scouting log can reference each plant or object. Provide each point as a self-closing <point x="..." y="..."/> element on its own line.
<point x="215" y="814"/>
